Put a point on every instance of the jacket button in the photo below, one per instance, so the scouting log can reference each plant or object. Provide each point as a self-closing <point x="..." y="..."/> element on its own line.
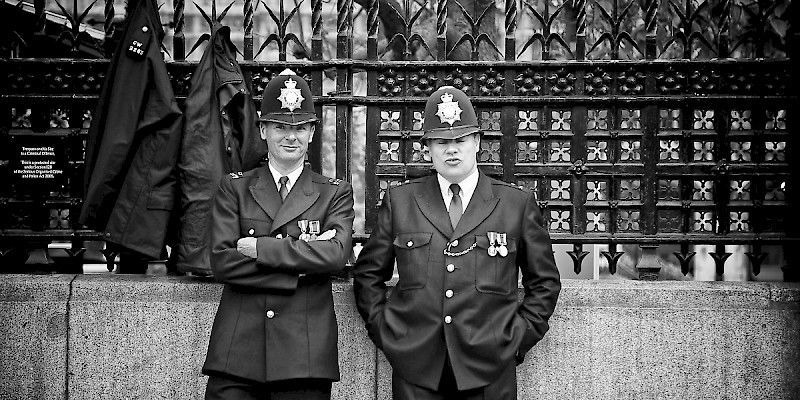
<point x="410" y="243"/>
<point x="270" y="314"/>
<point x="455" y="243"/>
<point x="448" y="293"/>
<point x="448" y="319"/>
<point x="451" y="267"/>
<point x="251" y="231"/>
<point x="144" y="29"/>
<point x="279" y="236"/>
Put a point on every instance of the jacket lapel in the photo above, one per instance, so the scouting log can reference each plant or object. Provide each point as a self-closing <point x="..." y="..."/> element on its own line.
<point x="430" y="202"/>
<point x="265" y="193"/>
<point x="480" y="207"/>
<point x="300" y="199"/>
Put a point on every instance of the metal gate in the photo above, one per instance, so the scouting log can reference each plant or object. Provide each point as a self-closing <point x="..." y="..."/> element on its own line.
<point x="641" y="122"/>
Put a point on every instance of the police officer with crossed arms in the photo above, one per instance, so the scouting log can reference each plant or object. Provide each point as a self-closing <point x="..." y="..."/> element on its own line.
<point x="279" y="232"/>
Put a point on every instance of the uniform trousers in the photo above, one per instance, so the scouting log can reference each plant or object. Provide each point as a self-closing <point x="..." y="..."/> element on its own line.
<point x="504" y="388"/>
<point x="223" y="387"/>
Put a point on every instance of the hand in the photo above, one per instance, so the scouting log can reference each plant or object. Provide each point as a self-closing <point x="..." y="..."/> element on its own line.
<point x="327" y="235"/>
<point x="247" y="246"/>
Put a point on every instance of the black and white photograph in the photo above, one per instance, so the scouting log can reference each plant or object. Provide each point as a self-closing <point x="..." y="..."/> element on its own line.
<point x="399" y="200"/>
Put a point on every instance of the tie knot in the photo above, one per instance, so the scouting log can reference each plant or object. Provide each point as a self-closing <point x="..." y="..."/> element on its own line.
<point x="455" y="189"/>
<point x="283" y="180"/>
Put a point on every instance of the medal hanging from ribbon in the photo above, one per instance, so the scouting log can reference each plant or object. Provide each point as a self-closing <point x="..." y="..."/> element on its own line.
<point x="303" y="225"/>
<point x="492" y="240"/>
<point x="502" y="242"/>
<point x="314" y="229"/>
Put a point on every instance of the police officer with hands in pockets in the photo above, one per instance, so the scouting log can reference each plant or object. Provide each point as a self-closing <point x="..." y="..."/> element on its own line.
<point x="453" y="327"/>
<point x="279" y="232"/>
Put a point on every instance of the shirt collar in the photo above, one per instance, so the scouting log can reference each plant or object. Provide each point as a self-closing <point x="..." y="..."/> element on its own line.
<point x="293" y="176"/>
<point x="467" y="185"/>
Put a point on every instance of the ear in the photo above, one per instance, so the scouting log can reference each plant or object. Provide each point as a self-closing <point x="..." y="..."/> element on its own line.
<point x="313" y="129"/>
<point x="477" y="138"/>
<point x="262" y="128"/>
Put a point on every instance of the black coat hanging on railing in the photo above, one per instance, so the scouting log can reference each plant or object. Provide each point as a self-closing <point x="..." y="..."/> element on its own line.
<point x="133" y="142"/>
<point x="220" y="135"/>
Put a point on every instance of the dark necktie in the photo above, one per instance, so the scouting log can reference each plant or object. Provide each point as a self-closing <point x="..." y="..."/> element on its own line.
<point x="283" y="190"/>
<point x="456" y="209"/>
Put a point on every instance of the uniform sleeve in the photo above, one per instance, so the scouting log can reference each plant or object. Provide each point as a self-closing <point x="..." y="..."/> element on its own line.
<point x="540" y="277"/>
<point x="319" y="256"/>
<point x="230" y="266"/>
<point x="374" y="267"/>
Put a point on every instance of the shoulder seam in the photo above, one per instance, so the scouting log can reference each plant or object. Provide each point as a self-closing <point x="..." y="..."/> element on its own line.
<point x="511" y="185"/>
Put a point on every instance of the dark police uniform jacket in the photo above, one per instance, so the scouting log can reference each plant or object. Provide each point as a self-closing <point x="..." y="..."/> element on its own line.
<point x="132" y="147"/>
<point x="452" y="297"/>
<point x="220" y="135"/>
<point x="276" y="319"/>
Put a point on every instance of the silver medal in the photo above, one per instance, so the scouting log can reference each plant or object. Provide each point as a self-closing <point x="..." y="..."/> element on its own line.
<point x="492" y="239"/>
<point x="501" y="240"/>
<point x="303" y="225"/>
<point x="313" y="229"/>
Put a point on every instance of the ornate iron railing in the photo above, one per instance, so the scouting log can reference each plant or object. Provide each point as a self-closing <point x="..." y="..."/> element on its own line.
<point x="640" y="122"/>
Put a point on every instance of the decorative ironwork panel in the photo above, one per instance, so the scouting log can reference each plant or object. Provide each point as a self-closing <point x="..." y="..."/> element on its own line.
<point x="642" y="122"/>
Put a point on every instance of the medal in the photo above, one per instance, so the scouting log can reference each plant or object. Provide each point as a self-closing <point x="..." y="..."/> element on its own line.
<point x="313" y="229"/>
<point x="501" y="240"/>
<point x="492" y="238"/>
<point x="303" y="225"/>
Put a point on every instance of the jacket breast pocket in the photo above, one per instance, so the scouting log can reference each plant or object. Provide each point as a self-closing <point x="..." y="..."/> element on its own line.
<point x="495" y="274"/>
<point x="413" y="253"/>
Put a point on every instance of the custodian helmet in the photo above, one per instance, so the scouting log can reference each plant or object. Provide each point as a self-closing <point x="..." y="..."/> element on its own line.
<point x="287" y="100"/>
<point x="449" y="115"/>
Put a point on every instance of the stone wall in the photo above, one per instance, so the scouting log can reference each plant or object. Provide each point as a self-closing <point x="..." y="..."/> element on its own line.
<point x="138" y="337"/>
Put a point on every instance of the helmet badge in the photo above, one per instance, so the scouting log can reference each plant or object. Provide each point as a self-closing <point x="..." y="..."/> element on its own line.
<point x="449" y="111"/>
<point x="290" y="97"/>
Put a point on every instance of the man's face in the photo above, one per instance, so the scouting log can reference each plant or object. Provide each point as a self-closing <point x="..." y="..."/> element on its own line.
<point x="287" y="144"/>
<point x="455" y="159"/>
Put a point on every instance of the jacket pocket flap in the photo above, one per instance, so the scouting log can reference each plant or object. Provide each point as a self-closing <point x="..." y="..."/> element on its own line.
<point x="412" y="240"/>
<point x="160" y="200"/>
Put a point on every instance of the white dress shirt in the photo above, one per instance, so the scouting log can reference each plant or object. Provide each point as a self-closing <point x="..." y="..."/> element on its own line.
<point x="467" y="185"/>
<point x="293" y="176"/>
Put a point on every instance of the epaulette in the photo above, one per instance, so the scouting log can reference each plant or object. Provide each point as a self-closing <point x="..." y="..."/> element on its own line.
<point x="334" y="181"/>
<point x="513" y="185"/>
<point x="235" y="175"/>
<point x="407" y="181"/>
